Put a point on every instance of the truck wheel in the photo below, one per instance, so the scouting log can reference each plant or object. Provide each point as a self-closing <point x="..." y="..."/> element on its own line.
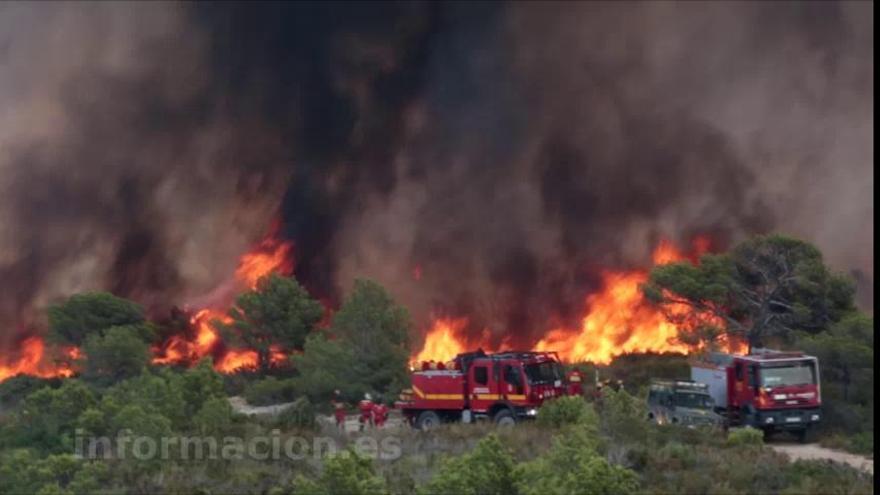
<point x="505" y="418"/>
<point x="427" y="420"/>
<point x="802" y="435"/>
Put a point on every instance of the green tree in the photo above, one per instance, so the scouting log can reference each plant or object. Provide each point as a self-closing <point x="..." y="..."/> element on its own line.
<point x="116" y="354"/>
<point x="47" y="417"/>
<point x="765" y="288"/>
<point x="214" y="417"/>
<point x="199" y="384"/>
<point x="326" y="365"/>
<point x="93" y="312"/>
<point x="346" y="472"/>
<point x="278" y="312"/>
<point x="846" y="351"/>
<point x="487" y="470"/>
<point x="377" y="331"/>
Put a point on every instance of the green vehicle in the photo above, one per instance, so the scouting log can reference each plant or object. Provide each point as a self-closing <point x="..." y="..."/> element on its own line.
<point x="682" y="402"/>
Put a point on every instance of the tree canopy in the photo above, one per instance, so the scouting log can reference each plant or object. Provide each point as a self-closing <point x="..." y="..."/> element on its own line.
<point x="376" y="330"/>
<point x="765" y="288"/>
<point x="278" y="312"/>
<point x="845" y="352"/>
<point x="81" y="315"/>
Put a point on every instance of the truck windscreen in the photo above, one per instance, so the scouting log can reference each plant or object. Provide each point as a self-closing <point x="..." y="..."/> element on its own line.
<point x="783" y="376"/>
<point x="693" y="400"/>
<point x="547" y="372"/>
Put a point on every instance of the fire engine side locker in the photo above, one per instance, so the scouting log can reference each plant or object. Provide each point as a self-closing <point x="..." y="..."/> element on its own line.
<point x="715" y="377"/>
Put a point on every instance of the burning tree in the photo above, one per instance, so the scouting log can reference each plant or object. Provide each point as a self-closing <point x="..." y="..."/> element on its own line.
<point x="765" y="288"/>
<point x="277" y="315"/>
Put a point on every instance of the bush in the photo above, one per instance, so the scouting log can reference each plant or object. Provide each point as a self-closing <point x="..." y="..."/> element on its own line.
<point x="487" y="470"/>
<point x="745" y="436"/>
<point x="572" y="465"/>
<point x="214" y="418"/>
<point x="622" y="415"/>
<point x="566" y="411"/>
<point x="270" y="390"/>
<point x="300" y="414"/>
<point x="345" y="473"/>
<point x="822" y="477"/>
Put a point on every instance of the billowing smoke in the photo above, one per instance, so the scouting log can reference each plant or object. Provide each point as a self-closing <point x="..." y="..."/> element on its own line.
<point x="479" y="160"/>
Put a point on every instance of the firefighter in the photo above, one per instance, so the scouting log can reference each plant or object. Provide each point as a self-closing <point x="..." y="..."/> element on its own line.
<point x="338" y="409"/>
<point x="597" y="394"/>
<point x="366" y="409"/>
<point x="575" y="387"/>
<point x="380" y="413"/>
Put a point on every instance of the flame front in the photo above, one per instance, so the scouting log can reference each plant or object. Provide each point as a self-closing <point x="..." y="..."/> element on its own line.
<point x="32" y="360"/>
<point x="271" y="255"/>
<point x="444" y="340"/>
<point x="617" y="320"/>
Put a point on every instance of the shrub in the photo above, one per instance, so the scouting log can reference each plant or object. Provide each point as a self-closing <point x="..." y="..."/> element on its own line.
<point x="347" y="473"/>
<point x="623" y="415"/>
<point x="270" y="390"/>
<point x="572" y="465"/>
<point x="487" y="470"/>
<point x="745" y="436"/>
<point x="214" y="418"/>
<point x="566" y="411"/>
<point x="300" y="414"/>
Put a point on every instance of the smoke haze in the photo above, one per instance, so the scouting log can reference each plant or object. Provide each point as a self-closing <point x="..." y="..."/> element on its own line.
<point x="481" y="160"/>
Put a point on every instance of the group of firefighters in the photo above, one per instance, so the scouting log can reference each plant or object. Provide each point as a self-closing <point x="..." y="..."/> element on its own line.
<point x="371" y="414"/>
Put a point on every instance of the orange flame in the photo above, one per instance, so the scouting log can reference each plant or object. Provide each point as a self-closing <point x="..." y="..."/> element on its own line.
<point x="618" y="320"/>
<point x="271" y="255"/>
<point x="33" y="361"/>
<point x="444" y="340"/>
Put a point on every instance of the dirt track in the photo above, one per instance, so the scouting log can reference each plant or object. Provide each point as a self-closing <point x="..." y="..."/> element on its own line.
<point x="814" y="451"/>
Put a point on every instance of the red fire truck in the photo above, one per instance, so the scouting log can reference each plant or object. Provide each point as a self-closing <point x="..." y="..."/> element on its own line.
<point x="767" y="389"/>
<point x="504" y="387"/>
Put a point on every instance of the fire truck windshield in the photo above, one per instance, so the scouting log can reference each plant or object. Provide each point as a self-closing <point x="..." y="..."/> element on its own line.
<point x="783" y="376"/>
<point x="546" y="372"/>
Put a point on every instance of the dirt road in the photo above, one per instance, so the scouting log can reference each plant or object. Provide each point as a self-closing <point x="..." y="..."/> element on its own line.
<point x="814" y="451"/>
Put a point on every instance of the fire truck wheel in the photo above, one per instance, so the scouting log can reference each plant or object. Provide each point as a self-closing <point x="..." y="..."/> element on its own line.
<point x="505" y="418"/>
<point x="427" y="420"/>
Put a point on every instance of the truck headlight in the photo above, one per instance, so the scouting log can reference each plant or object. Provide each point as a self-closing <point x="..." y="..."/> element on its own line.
<point x="814" y="417"/>
<point x="768" y="421"/>
<point x="532" y="412"/>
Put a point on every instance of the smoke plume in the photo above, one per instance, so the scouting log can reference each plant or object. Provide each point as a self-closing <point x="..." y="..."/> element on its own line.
<point x="480" y="160"/>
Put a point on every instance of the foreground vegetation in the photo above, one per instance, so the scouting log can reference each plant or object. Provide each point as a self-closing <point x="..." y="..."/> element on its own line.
<point x="574" y="447"/>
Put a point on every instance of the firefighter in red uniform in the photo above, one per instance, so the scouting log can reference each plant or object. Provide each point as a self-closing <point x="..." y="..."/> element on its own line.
<point x="338" y="410"/>
<point x="366" y="408"/>
<point x="575" y="385"/>
<point x="380" y="413"/>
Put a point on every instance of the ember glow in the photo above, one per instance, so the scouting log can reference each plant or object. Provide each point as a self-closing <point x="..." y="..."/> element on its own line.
<point x="617" y="320"/>
<point x="32" y="359"/>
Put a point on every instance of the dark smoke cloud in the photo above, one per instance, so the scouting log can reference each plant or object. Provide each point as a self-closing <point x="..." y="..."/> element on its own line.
<point x="509" y="151"/>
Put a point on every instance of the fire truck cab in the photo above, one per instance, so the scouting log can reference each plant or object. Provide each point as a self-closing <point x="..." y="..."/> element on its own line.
<point x="767" y="389"/>
<point x="504" y="387"/>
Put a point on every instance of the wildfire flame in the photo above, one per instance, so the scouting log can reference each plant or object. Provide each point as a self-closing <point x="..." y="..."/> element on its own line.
<point x="32" y="360"/>
<point x="270" y="255"/>
<point x="444" y="340"/>
<point x="617" y="320"/>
